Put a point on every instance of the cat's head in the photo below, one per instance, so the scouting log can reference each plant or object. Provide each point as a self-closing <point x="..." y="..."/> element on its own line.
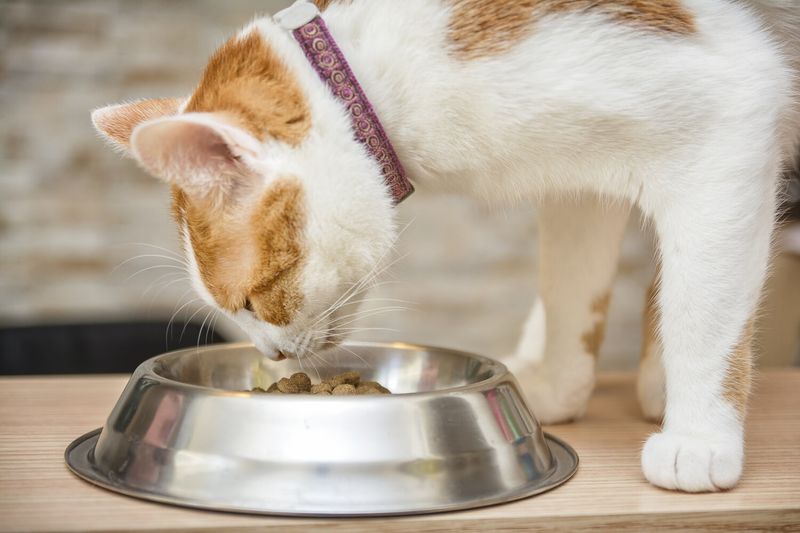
<point x="280" y="210"/>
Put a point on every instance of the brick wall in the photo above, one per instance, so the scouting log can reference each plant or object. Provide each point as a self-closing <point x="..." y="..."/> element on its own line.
<point x="70" y="209"/>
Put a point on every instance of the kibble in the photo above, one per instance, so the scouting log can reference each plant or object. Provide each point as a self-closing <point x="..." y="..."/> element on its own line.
<point x="321" y="388"/>
<point x="372" y="387"/>
<point x="301" y="381"/>
<point x="287" y="386"/>
<point x="346" y="383"/>
<point x="346" y="378"/>
<point x="344" y="388"/>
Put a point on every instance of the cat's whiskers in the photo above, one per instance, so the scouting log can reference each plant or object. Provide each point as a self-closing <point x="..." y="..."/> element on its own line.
<point x="148" y="256"/>
<point x="365" y="313"/>
<point x="300" y="362"/>
<point x="147" y="244"/>
<point x="176" y="309"/>
<point x="378" y="299"/>
<point x="373" y="273"/>
<point x="319" y="356"/>
<point x="359" y="328"/>
<point x="345" y="348"/>
<point x="200" y="332"/>
<point x="208" y="326"/>
<point x="178" y="271"/>
<point x="314" y="366"/>
<point x="364" y="287"/>
<point x="155" y="283"/>
<point x="166" y="285"/>
<point x="336" y="329"/>
<point x="186" y="324"/>
<point x="354" y="289"/>
<point x="341" y="333"/>
<point x="175" y="313"/>
<point x="213" y="325"/>
<point x="154" y="267"/>
<point x="364" y="300"/>
<point x="161" y="284"/>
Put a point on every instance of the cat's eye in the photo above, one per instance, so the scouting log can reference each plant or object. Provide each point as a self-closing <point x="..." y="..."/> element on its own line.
<point x="248" y="304"/>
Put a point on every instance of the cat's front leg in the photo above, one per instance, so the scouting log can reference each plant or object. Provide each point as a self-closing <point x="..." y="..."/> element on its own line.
<point x="579" y="247"/>
<point x="650" y="387"/>
<point x="714" y="241"/>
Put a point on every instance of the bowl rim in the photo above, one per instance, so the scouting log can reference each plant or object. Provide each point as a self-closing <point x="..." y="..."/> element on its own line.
<point x="499" y="373"/>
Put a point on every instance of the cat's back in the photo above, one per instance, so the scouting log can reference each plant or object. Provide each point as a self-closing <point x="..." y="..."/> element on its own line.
<point x="550" y="45"/>
<point x="555" y="74"/>
<point x="657" y="62"/>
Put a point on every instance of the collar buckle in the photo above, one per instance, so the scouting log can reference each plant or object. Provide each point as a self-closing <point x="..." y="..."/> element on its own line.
<point x="296" y="15"/>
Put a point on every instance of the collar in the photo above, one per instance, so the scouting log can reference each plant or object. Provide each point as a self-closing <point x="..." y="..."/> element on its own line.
<point x="304" y="21"/>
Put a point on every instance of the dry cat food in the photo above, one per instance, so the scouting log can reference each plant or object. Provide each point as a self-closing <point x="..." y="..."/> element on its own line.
<point x="338" y="385"/>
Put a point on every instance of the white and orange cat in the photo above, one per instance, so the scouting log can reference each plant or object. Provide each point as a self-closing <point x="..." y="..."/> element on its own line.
<point x="684" y="108"/>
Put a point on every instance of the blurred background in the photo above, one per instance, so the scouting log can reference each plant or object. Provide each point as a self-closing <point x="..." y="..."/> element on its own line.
<point x="89" y="278"/>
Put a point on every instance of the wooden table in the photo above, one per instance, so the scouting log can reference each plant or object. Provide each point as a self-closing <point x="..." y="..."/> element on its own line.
<point x="40" y="416"/>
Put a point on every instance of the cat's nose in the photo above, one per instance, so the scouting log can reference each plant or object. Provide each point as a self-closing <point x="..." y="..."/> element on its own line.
<point x="268" y="349"/>
<point x="275" y="355"/>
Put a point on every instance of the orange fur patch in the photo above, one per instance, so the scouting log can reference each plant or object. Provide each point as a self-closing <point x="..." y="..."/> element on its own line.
<point x="738" y="379"/>
<point x="593" y="338"/>
<point x="248" y="81"/>
<point x="118" y="122"/>
<point x="255" y="258"/>
<point x="278" y="222"/>
<point x="481" y="28"/>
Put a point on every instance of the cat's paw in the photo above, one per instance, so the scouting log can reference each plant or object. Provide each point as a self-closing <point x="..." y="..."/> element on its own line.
<point x="692" y="463"/>
<point x="556" y="400"/>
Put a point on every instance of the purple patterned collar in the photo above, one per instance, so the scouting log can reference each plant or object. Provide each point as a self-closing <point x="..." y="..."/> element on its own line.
<point x="304" y="21"/>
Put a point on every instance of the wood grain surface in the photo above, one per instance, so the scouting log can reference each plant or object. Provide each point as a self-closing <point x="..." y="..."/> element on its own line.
<point x="39" y="417"/>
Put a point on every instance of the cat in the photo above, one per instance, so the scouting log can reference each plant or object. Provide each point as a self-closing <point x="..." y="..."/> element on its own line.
<point x="686" y="109"/>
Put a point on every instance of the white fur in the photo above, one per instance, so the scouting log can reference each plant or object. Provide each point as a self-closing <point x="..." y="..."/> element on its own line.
<point x="588" y="117"/>
<point x="693" y="130"/>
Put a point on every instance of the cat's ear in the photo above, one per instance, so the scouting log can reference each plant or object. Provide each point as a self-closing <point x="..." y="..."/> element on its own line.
<point x="117" y="122"/>
<point x="202" y="153"/>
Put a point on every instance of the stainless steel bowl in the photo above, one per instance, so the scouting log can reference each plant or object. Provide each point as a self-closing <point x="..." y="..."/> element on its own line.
<point x="455" y="434"/>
